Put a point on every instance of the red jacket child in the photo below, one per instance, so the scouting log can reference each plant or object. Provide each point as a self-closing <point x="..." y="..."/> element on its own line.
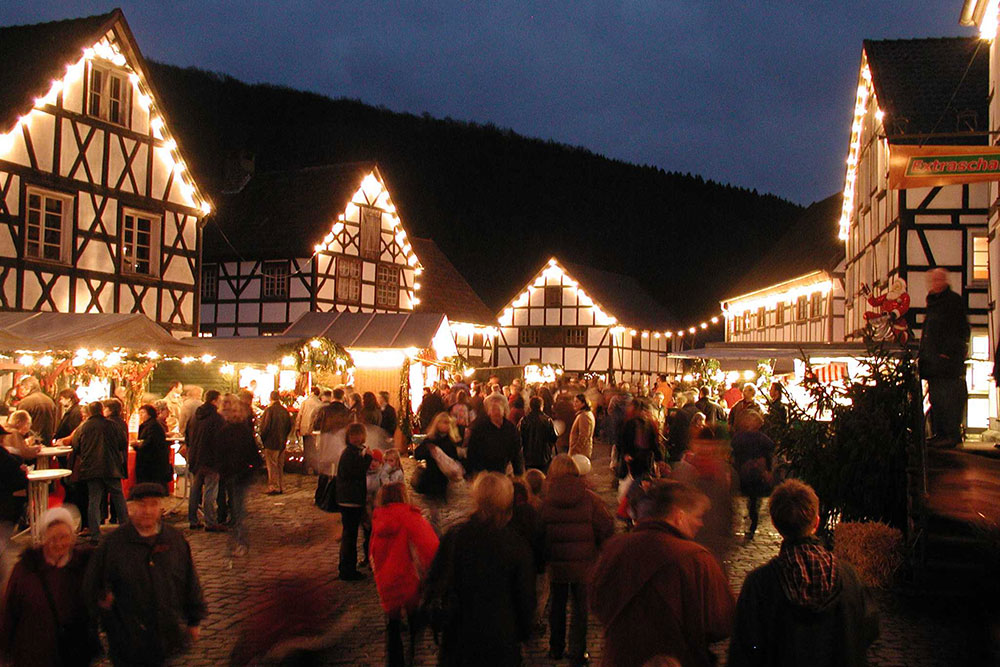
<point x="403" y="545"/>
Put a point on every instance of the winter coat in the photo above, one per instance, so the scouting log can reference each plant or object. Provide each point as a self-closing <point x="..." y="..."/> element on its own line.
<point x="275" y="426"/>
<point x="713" y="412"/>
<point x="389" y="421"/>
<point x="98" y="445"/>
<point x="430" y="406"/>
<point x="28" y="629"/>
<point x="640" y="440"/>
<point x="155" y="589"/>
<point x="306" y="420"/>
<point x="736" y="414"/>
<point x="12" y="480"/>
<point x="491" y="577"/>
<point x="387" y="475"/>
<point x="201" y="435"/>
<point x="491" y="447"/>
<point x="152" y="459"/>
<point x="189" y="408"/>
<point x="658" y="593"/>
<point x="538" y="440"/>
<point x="430" y="481"/>
<point x="403" y="546"/>
<point x="70" y="419"/>
<point x="562" y="410"/>
<point x="236" y="451"/>
<point x="753" y="454"/>
<point x="772" y="631"/>
<point x="581" y="436"/>
<point x="17" y="444"/>
<point x="944" y="339"/>
<point x="43" y="414"/>
<point x="352" y="472"/>
<point x="574" y="523"/>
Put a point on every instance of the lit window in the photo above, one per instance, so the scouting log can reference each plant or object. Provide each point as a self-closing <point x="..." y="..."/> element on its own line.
<point x="139" y="235"/>
<point x="47" y="226"/>
<point x="387" y="286"/>
<point x="761" y="317"/>
<point x="348" y="280"/>
<point x="371" y="233"/>
<point x="553" y="297"/>
<point x="576" y="335"/>
<point x="779" y="313"/>
<point x="210" y="281"/>
<point x="802" y="308"/>
<point x="528" y="336"/>
<point x="816" y="304"/>
<point x="108" y="95"/>
<point x="275" y="279"/>
<point x="980" y="258"/>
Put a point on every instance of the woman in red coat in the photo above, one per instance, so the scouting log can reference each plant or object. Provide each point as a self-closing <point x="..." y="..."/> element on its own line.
<point x="403" y="545"/>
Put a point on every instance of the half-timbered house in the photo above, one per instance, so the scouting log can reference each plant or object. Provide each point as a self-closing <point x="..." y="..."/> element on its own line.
<point x="919" y="93"/>
<point x="795" y="293"/>
<point x="98" y="213"/>
<point x="588" y="322"/>
<point x="324" y="239"/>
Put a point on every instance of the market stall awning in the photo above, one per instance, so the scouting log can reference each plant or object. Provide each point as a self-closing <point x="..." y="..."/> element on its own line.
<point x="245" y="349"/>
<point x="70" y="331"/>
<point x="370" y="330"/>
<point x="741" y="356"/>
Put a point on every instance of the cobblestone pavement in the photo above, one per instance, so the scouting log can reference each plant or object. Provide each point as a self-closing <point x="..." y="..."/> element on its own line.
<point x="293" y="540"/>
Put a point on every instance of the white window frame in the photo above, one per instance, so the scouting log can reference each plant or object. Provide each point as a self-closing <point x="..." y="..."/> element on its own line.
<point x="102" y="96"/>
<point x="66" y="221"/>
<point x="972" y="258"/>
<point x="155" y="222"/>
<point x="347" y="283"/>
<point x="386" y="285"/>
<point x="368" y="218"/>
<point x="275" y="279"/>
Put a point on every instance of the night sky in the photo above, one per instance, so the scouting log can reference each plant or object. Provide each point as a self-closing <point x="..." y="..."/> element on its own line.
<point x="757" y="94"/>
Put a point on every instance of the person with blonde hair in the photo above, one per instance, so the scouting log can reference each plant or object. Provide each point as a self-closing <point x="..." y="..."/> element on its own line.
<point x="430" y="482"/>
<point x="483" y="580"/>
<point x="19" y="440"/>
<point x="574" y="522"/>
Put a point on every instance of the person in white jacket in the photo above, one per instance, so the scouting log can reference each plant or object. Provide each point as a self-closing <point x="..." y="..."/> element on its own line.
<point x="305" y="425"/>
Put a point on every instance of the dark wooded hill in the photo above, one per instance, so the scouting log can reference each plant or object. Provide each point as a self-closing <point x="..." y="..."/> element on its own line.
<point x="497" y="203"/>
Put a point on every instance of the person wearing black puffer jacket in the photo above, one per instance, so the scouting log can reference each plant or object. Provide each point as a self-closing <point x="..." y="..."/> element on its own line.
<point x="538" y="436"/>
<point x="352" y="498"/>
<point x="574" y="523"/>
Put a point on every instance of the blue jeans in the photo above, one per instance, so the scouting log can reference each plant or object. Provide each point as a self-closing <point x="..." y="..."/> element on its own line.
<point x="237" y="490"/>
<point x="208" y="482"/>
<point x="96" y="488"/>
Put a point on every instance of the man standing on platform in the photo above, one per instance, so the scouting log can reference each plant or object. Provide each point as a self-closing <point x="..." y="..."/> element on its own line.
<point x="944" y="345"/>
<point x="275" y="426"/>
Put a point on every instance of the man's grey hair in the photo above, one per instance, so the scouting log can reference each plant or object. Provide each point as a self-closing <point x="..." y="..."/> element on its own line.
<point x="499" y="399"/>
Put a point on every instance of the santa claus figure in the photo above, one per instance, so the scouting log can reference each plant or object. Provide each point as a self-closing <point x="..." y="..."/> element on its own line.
<point x="889" y="320"/>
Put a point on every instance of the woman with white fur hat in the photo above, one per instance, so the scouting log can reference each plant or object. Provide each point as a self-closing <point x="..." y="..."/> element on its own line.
<point x="45" y="620"/>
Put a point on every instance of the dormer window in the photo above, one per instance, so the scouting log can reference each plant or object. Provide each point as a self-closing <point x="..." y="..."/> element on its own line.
<point x="108" y="95"/>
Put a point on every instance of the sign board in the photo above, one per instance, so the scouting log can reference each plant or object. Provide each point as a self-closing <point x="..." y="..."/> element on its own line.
<point x="928" y="166"/>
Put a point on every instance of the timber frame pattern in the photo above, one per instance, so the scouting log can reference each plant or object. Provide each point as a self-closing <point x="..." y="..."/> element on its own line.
<point x="86" y="184"/>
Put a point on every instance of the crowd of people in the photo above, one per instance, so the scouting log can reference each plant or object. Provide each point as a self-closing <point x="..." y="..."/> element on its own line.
<point x="541" y="550"/>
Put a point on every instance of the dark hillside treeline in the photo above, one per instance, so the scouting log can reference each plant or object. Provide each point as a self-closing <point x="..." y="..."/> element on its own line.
<point x="498" y="204"/>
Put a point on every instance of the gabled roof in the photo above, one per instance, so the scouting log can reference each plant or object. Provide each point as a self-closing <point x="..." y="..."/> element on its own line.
<point x="811" y="244"/>
<point x="35" y="55"/>
<point x="444" y="290"/>
<point x="284" y="214"/>
<point x="618" y="296"/>
<point x="70" y="331"/>
<point x="915" y="80"/>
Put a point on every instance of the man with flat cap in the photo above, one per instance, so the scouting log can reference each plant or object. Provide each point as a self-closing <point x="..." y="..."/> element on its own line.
<point x="142" y="583"/>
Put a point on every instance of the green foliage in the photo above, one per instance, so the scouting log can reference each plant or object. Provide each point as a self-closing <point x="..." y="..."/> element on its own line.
<point x="851" y="444"/>
<point x="317" y="355"/>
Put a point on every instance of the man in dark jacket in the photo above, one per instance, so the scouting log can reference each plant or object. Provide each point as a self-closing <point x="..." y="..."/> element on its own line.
<point x="72" y="413"/>
<point x="712" y="411"/>
<point x="200" y="437"/>
<point x="944" y="344"/>
<point x="658" y="592"/>
<point x="275" y="426"/>
<point x="389" y="420"/>
<point x="804" y="607"/>
<point x="142" y="583"/>
<point x="493" y="440"/>
<point x="538" y="436"/>
<point x="41" y="408"/>
<point x="97" y="446"/>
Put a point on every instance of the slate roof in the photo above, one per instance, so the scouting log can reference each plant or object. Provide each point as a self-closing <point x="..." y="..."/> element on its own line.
<point x="915" y="79"/>
<point x="811" y="244"/>
<point x="444" y="290"/>
<point x="369" y="330"/>
<point x="281" y="214"/>
<point x="621" y="297"/>
<point x="34" y="55"/>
